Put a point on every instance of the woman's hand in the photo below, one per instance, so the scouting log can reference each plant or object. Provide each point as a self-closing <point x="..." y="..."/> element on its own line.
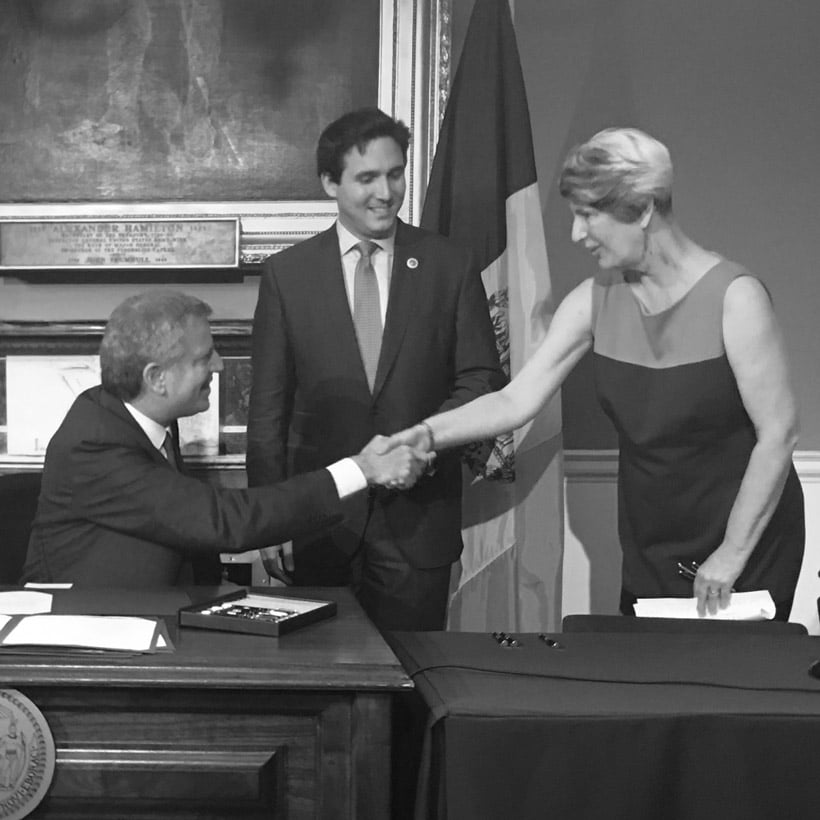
<point x="714" y="582"/>
<point x="419" y="438"/>
<point x="396" y="466"/>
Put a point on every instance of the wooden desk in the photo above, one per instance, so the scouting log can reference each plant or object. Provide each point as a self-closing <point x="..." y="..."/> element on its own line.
<point x="640" y="726"/>
<point x="226" y="726"/>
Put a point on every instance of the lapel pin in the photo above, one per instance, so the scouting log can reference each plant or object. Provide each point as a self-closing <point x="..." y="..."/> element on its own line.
<point x="412" y="263"/>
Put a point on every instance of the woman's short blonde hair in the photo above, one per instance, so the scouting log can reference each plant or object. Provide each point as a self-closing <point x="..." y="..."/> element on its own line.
<point x="620" y="171"/>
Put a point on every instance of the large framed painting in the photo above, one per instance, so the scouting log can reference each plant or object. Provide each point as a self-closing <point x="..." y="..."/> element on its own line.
<point x="205" y="109"/>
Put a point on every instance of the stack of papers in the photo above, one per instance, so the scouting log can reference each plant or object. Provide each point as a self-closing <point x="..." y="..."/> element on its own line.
<point x="25" y="602"/>
<point x="25" y="621"/>
<point x="90" y="632"/>
<point x="743" y="606"/>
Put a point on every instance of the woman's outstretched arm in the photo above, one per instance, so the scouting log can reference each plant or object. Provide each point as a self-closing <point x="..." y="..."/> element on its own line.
<point x="568" y="338"/>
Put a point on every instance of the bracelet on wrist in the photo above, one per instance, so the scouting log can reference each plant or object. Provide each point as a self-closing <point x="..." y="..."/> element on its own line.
<point x="430" y="435"/>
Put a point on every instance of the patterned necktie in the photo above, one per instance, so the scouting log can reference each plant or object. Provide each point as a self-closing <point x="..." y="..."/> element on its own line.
<point x="366" y="310"/>
<point x="168" y="450"/>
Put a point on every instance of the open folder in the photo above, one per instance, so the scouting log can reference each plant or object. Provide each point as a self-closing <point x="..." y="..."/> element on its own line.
<point x="743" y="606"/>
<point x="113" y="633"/>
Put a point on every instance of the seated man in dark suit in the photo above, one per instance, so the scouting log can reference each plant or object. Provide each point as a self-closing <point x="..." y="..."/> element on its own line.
<point x="116" y="507"/>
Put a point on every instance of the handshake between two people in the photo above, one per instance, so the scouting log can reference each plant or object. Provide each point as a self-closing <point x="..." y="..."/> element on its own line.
<point x="398" y="461"/>
<point x="395" y="462"/>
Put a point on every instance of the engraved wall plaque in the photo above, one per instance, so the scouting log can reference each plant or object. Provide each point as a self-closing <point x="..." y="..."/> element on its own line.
<point x="119" y="243"/>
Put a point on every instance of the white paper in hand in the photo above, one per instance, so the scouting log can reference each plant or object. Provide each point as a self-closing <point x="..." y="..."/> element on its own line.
<point x="743" y="606"/>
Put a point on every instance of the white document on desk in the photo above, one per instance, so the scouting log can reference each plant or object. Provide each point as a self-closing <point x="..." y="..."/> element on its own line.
<point x="743" y="606"/>
<point x="25" y="602"/>
<point x="112" y="632"/>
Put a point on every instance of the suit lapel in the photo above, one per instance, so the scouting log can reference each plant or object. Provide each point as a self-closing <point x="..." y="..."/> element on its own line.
<point x="329" y="289"/>
<point x="400" y="304"/>
<point x="118" y="409"/>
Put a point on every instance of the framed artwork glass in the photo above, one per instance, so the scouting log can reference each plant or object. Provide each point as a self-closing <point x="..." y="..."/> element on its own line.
<point x="55" y="362"/>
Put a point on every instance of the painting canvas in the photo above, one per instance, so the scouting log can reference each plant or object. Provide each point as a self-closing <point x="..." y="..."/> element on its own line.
<point x="57" y="381"/>
<point x="191" y="100"/>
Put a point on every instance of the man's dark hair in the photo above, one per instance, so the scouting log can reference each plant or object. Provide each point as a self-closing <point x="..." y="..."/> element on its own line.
<point x="145" y="328"/>
<point x="356" y="129"/>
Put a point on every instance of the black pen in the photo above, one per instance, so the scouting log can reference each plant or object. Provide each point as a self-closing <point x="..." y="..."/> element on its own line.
<point x="689" y="572"/>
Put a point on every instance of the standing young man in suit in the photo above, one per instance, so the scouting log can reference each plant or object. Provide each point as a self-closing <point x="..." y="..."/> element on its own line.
<point x="361" y="330"/>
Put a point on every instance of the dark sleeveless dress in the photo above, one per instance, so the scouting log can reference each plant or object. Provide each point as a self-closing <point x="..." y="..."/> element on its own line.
<point x="685" y="440"/>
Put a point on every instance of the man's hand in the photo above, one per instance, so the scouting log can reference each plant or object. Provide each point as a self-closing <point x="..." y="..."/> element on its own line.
<point x="420" y="438"/>
<point x="396" y="467"/>
<point x="278" y="561"/>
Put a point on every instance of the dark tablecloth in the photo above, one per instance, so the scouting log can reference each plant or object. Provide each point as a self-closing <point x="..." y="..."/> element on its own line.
<point x="617" y="726"/>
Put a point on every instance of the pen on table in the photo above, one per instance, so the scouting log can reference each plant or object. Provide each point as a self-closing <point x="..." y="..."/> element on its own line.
<point x="506" y="640"/>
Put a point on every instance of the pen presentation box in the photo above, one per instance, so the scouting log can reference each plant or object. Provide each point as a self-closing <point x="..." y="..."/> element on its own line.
<point x="256" y="612"/>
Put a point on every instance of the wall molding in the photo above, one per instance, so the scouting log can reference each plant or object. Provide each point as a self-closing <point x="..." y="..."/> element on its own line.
<point x="602" y="465"/>
<point x="580" y="466"/>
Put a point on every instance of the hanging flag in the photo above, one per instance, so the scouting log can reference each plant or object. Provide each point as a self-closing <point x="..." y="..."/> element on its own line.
<point x="483" y="193"/>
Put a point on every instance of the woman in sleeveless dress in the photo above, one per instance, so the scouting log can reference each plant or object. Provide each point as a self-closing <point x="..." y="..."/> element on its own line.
<point x="690" y="366"/>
